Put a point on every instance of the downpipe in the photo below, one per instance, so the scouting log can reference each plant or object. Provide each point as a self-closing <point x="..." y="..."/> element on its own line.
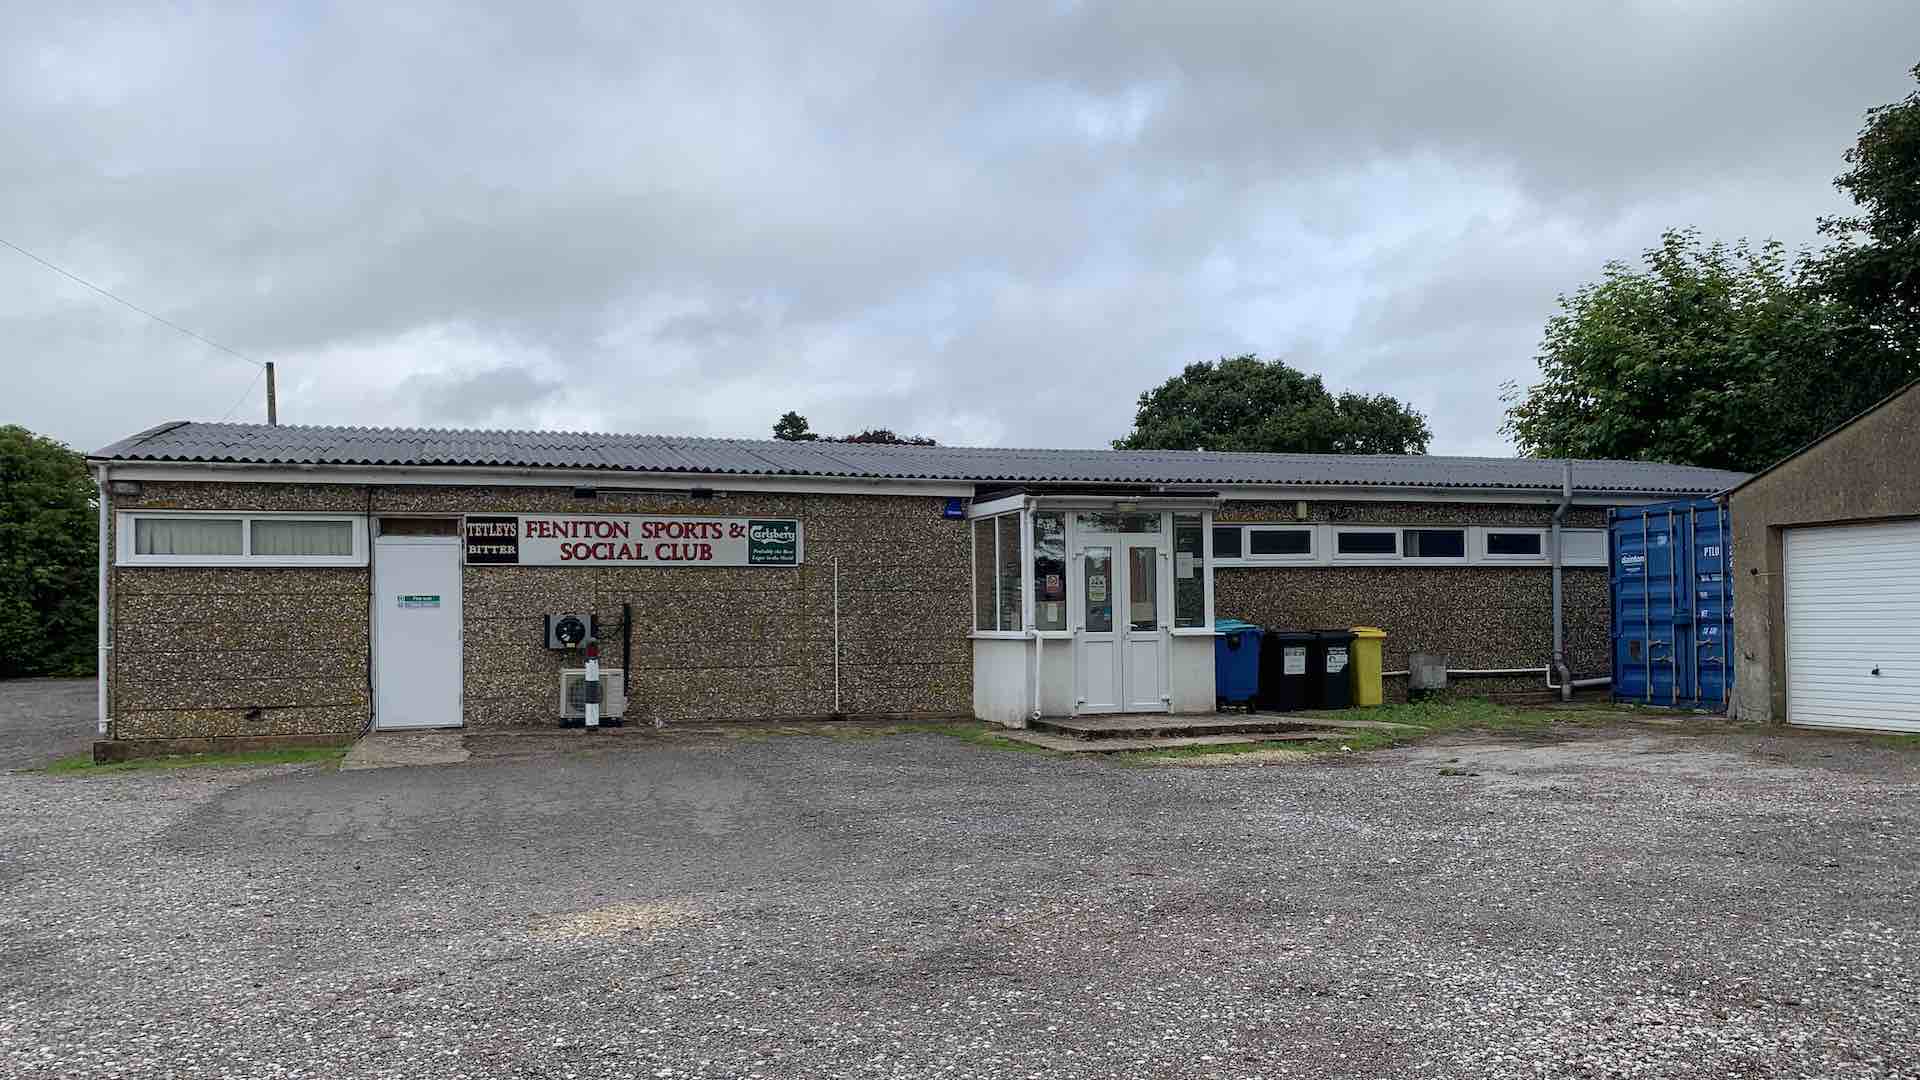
<point x="1039" y="653"/>
<point x="104" y="633"/>
<point x="1559" y="663"/>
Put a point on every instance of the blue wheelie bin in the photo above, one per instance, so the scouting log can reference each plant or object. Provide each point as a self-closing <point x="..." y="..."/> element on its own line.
<point x="1236" y="662"/>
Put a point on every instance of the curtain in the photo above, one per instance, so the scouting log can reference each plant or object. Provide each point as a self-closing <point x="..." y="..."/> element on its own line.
<point x="186" y="536"/>
<point x="302" y="537"/>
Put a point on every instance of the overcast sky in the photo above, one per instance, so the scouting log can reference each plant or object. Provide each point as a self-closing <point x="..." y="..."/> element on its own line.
<point x="991" y="224"/>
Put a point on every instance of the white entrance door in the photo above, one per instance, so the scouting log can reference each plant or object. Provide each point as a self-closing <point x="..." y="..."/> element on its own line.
<point x="1853" y="645"/>
<point x="1120" y="635"/>
<point x="416" y="632"/>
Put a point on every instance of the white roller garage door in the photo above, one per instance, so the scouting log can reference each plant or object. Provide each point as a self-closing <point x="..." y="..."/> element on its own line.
<point x="1853" y="626"/>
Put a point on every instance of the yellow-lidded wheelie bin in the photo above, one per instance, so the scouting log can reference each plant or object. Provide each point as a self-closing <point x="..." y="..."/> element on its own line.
<point x="1366" y="664"/>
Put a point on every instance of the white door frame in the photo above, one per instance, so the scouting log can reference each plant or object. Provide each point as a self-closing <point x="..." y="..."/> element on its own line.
<point x="1121" y="637"/>
<point x="374" y="544"/>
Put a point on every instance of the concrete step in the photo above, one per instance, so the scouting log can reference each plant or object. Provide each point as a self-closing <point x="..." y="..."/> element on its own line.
<point x="1165" y="726"/>
<point x="1068" y="744"/>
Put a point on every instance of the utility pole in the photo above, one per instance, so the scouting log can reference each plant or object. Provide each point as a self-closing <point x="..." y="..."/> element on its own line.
<point x="273" y="404"/>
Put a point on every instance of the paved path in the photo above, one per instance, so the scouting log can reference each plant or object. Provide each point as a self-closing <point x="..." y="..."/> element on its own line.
<point x="45" y="719"/>
<point x="1620" y="902"/>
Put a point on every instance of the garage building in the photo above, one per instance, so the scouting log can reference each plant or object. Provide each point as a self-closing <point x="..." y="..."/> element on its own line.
<point x="275" y="581"/>
<point x="1826" y="555"/>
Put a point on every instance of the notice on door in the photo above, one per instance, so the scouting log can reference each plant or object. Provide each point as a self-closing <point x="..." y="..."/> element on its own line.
<point x="1096" y="588"/>
<point x="419" y="600"/>
<point x="629" y="540"/>
<point x="1293" y="660"/>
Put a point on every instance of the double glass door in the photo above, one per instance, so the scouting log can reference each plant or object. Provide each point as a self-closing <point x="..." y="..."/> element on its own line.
<point x="1121" y="625"/>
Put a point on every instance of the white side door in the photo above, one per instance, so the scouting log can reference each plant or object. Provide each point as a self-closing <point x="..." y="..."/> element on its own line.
<point x="1144" y="684"/>
<point x="416" y="632"/>
<point x="1853" y="626"/>
<point x="1098" y="635"/>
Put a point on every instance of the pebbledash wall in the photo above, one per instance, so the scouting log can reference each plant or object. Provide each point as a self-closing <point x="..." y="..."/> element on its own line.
<point x="218" y="651"/>
<point x="1477" y="617"/>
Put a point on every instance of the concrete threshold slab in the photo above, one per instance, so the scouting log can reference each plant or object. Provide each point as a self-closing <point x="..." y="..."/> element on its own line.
<point x="1068" y="744"/>
<point x="402" y="749"/>
<point x="1163" y="725"/>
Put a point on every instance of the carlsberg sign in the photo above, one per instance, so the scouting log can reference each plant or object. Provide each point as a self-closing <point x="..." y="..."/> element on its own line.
<point x="629" y="540"/>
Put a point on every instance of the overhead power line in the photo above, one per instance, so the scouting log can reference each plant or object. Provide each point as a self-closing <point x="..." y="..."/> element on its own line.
<point x="128" y="303"/>
<point x="244" y="395"/>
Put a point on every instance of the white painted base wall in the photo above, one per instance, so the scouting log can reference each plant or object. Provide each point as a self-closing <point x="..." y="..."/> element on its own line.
<point x="1190" y="685"/>
<point x="1003" y="678"/>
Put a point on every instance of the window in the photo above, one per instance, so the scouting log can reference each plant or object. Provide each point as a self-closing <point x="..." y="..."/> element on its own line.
<point x="1226" y="541"/>
<point x="1189" y="571"/>
<point x="1433" y="543"/>
<point x="1511" y="544"/>
<point x="1049" y="571"/>
<point x="1366" y="542"/>
<point x="1007" y="533"/>
<point x="997" y="572"/>
<point x="1119" y="523"/>
<point x="417" y="526"/>
<point x="197" y="538"/>
<point x="302" y="538"/>
<point x="187" y="536"/>
<point x="1280" y="541"/>
<point x="984" y="606"/>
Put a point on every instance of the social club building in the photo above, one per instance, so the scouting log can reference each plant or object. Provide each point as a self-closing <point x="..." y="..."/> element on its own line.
<point x="262" y="581"/>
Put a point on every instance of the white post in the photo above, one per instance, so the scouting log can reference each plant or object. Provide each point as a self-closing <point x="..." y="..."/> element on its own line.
<point x="104" y="631"/>
<point x="593" y="683"/>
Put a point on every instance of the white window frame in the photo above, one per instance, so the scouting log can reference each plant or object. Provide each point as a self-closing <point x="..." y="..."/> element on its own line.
<point x="1248" y="555"/>
<point x="1463" y="559"/>
<point x="1546" y="544"/>
<point x="1333" y="545"/>
<point x="125" y="555"/>
<point x="1025" y="541"/>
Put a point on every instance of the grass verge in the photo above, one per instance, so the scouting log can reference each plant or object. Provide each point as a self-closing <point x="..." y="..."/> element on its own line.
<point x="84" y="765"/>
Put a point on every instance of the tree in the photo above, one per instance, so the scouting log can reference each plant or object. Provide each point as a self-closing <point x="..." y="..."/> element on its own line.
<point x="1249" y="404"/>
<point x="1733" y="356"/>
<point x="48" y="575"/>
<point x="886" y="436"/>
<point x="793" y="428"/>
<point x="1872" y="263"/>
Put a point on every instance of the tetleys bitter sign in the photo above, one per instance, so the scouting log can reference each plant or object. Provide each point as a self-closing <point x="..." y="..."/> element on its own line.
<point x="629" y="540"/>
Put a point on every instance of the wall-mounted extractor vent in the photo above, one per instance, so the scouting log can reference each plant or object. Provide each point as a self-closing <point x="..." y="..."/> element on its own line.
<point x="573" y="700"/>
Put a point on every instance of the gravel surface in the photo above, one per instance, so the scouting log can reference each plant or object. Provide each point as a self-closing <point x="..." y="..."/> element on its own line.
<point x="44" y="719"/>
<point x="1625" y="901"/>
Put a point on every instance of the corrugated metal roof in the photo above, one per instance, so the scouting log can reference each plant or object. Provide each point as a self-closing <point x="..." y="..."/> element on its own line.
<point x="294" y="445"/>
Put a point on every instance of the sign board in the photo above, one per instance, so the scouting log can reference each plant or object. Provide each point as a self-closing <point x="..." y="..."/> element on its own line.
<point x="629" y="540"/>
<point x="1293" y="660"/>
<point x="419" y="600"/>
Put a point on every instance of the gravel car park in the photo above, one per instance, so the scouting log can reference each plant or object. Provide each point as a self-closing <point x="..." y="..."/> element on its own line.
<point x="1617" y="899"/>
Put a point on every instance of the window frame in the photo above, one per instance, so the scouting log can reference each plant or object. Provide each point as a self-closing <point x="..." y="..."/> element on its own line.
<point x="1466" y="546"/>
<point x="1248" y="555"/>
<point x="1545" y="554"/>
<point x="1334" y="532"/>
<point x="1024" y="540"/>
<point x="125" y="555"/>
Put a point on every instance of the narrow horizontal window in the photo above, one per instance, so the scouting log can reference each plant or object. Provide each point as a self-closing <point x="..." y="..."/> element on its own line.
<point x="1367" y="542"/>
<point x="190" y="538"/>
<point x="1226" y="541"/>
<point x="416" y="526"/>
<point x="1279" y="542"/>
<point x="1515" y="545"/>
<point x="187" y="536"/>
<point x="1434" y="543"/>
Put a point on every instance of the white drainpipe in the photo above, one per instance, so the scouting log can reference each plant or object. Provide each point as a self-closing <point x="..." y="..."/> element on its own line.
<point x="1559" y="625"/>
<point x="104" y="633"/>
<point x="1039" y="650"/>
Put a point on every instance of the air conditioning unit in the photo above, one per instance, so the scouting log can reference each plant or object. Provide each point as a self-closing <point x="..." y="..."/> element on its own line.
<point x="573" y="687"/>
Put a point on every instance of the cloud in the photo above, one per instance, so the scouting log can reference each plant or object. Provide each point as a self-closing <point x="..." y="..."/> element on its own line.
<point x="988" y="223"/>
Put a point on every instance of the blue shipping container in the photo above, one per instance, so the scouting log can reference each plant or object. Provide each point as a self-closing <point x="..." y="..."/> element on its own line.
<point x="1672" y="604"/>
